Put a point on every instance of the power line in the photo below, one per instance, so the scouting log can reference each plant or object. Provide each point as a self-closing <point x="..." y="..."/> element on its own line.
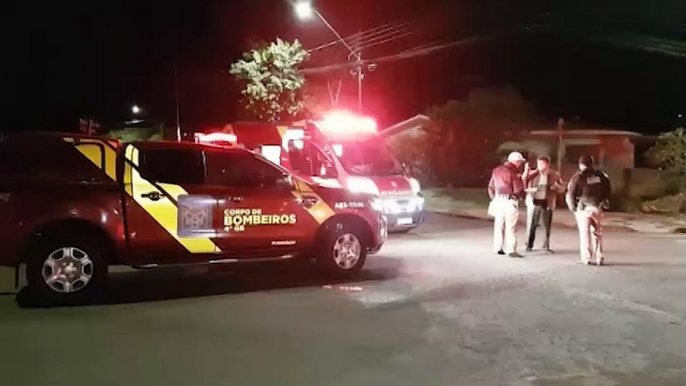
<point x="357" y="38"/>
<point x="387" y="40"/>
<point x="406" y="54"/>
<point x="350" y="38"/>
<point x="382" y="34"/>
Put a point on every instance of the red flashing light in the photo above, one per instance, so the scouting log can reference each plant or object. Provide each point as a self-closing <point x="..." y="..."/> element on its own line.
<point x="344" y="122"/>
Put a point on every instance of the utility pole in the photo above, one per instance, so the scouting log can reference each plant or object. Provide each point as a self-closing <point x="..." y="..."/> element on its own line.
<point x="176" y="92"/>
<point x="360" y="76"/>
<point x="560" y="148"/>
<point x="359" y="72"/>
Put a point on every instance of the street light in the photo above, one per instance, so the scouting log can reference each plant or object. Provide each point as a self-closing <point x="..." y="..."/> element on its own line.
<point x="304" y="10"/>
<point x="135" y="109"/>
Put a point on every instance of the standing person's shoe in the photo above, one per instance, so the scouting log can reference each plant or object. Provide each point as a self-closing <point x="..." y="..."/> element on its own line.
<point x="501" y="252"/>
<point x="529" y="249"/>
<point x="514" y="255"/>
<point x="548" y="250"/>
<point x="585" y="262"/>
<point x="600" y="261"/>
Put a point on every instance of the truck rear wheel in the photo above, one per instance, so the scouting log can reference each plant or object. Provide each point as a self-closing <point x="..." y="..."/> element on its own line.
<point x="66" y="268"/>
<point x="344" y="249"/>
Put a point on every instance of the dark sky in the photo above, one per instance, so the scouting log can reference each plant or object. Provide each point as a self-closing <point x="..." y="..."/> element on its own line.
<point x="75" y="58"/>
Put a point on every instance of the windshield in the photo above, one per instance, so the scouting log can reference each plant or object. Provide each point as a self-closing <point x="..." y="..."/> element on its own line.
<point x="368" y="158"/>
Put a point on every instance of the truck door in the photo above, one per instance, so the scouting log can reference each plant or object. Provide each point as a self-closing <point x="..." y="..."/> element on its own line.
<point x="158" y="182"/>
<point x="312" y="163"/>
<point x="260" y="212"/>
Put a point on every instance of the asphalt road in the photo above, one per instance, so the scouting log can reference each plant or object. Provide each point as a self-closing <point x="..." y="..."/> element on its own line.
<point x="433" y="308"/>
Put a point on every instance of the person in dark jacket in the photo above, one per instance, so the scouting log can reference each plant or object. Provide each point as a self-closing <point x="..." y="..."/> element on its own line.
<point x="543" y="187"/>
<point x="588" y="194"/>
<point x="505" y="189"/>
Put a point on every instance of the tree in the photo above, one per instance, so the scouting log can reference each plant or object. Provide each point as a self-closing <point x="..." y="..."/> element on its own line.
<point x="271" y="81"/>
<point x="137" y="134"/>
<point x="463" y="136"/>
<point x="670" y="153"/>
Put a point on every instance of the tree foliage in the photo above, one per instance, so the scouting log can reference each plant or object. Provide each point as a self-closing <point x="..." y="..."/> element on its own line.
<point x="136" y="134"/>
<point x="463" y="136"/>
<point x="271" y="81"/>
<point x="670" y="153"/>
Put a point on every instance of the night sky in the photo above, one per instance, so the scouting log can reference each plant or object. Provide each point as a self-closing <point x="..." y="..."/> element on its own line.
<point x="96" y="58"/>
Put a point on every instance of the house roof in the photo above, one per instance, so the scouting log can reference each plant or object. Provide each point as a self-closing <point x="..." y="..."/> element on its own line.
<point x="412" y="123"/>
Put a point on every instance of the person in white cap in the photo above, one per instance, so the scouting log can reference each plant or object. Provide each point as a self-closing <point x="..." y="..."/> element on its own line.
<point x="505" y="188"/>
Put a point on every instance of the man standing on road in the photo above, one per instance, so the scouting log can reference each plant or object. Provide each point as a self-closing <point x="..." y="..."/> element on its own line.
<point x="542" y="187"/>
<point x="505" y="189"/>
<point x="588" y="193"/>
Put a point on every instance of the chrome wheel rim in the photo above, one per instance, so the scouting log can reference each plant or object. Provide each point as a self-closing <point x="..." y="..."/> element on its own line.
<point x="67" y="270"/>
<point x="347" y="251"/>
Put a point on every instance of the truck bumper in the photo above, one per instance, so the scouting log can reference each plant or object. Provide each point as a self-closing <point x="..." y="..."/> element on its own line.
<point x="381" y="235"/>
<point x="403" y="213"/>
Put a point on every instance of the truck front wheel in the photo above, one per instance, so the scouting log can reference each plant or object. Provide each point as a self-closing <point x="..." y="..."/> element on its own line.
<point x="66" y="268"/>
<point x="344" y="249"/>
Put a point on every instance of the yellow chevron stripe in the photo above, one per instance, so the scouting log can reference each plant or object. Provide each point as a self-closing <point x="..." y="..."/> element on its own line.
<point x="282" y="130"/>
<point x="92" y="149"/>
<point x="321" y="211"/>
<point x="164" y="211"/>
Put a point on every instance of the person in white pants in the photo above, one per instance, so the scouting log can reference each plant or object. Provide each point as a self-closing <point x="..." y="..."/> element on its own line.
<point x="588" y="193"/>
<point x="505" y="189"/>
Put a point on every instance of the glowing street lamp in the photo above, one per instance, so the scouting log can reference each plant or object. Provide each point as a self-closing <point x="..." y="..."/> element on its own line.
<point x="135" y="109"/>
<point x="303" y="9"/>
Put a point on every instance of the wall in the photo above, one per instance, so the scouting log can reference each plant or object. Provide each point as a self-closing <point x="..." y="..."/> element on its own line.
<point x="617" y="152"/>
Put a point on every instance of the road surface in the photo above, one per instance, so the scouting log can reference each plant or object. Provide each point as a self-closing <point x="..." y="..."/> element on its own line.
<point x="434" y="308"/>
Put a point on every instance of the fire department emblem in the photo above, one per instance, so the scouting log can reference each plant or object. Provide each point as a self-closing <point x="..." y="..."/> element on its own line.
<point x="195" y="216"/>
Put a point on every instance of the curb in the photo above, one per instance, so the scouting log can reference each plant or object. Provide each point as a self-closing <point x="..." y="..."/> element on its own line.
<point x="561" y="224"/>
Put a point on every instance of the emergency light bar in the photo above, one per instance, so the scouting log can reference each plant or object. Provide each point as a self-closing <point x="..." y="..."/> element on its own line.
<point x="341" y="122"/>
<point x="216" y="137"/>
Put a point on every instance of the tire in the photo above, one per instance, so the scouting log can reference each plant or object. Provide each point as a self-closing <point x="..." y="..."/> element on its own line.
<point x="340" y="238"/>
<point x="78" y="264"/>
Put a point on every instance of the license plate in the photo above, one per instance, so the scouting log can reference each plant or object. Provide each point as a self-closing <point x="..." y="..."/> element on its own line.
<point x="405" y="221"/>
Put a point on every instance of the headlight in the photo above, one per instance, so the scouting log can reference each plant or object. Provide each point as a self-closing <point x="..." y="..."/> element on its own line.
<point x="376" y="204"/>
<point x="414" y="184"/>
<point x="362" y="185"/>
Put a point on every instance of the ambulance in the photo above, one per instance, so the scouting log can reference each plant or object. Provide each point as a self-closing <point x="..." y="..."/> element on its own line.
<point x="340" y="150"/>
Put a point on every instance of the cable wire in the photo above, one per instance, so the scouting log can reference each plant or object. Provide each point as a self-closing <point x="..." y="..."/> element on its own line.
<point x="365" y="36"/>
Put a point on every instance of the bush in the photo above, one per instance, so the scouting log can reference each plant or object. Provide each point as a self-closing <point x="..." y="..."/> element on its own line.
<point x="669" y="153"/>
<point x="666" y="205"/>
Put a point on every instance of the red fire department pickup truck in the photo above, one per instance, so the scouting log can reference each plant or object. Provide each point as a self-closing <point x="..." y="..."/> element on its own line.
<point x="70" y="206"/>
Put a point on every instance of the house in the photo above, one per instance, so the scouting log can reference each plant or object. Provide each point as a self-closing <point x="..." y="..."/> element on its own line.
<point x="610" y="148"/>
<point x="411" y="127"/>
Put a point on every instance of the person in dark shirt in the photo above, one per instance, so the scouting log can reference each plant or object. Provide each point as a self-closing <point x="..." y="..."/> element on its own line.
<point x="505" y="189"/>
<point x="588" y="194"/>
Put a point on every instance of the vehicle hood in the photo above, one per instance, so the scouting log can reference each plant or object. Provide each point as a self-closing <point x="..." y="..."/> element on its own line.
<point x="393" y="185"/>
